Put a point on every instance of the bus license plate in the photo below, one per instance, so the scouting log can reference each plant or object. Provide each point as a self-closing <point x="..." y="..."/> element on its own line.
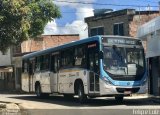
<point x="127" y="92"/>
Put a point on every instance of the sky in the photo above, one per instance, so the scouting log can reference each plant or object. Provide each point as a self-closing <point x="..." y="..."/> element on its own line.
<point x="73" y="14"/>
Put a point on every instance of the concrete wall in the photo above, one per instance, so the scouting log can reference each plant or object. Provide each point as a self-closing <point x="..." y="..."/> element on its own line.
<point x="5" y="60"/>
<point x="139" y="20"/>
<point x="131" y="22"/>
<point x="108" y="23"/>
<point x="47" y="41"/>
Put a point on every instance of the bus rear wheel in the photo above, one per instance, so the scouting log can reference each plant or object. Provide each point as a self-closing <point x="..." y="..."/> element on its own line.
<point x="39" y="92"/>
<point x="82" y="97"/>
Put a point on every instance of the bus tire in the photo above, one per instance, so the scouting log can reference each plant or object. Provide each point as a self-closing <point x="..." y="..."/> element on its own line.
<point x="39" y="92"/>
<point x="82" y="97"/>
<point x="119" y="98"/>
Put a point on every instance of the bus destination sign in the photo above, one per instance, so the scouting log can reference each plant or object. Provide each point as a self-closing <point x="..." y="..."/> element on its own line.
<point x="120" y="41"/>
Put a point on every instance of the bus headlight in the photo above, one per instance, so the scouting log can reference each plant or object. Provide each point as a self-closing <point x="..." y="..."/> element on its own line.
<point x="107" y="81"/>
<point x="144" y="82"/>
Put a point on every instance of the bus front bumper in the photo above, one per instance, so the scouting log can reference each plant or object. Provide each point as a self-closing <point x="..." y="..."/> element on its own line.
<point x="108" y="89"/>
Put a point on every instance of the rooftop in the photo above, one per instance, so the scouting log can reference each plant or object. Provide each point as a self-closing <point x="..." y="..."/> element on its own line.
<point x="118" y="13"/>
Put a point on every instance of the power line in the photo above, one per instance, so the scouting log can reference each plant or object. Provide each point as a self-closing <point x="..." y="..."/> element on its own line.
<point x="101" y="4"/>
<point x="147" y="1"/>
<point x="59" y="26"/>
<point x="79" y="12"/>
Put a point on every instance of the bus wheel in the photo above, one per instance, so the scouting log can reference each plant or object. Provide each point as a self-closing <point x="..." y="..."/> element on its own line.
<point x="119" y="98"/>
<point x="38" y="91"/>
<point x="82" y="97"/>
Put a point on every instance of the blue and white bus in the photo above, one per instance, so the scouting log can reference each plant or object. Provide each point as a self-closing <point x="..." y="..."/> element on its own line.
<point x="91" y="67"/>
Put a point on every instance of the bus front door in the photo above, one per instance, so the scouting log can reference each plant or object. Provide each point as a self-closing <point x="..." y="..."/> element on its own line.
<point x="93" y="65"/>
<point x="54" y="72"/>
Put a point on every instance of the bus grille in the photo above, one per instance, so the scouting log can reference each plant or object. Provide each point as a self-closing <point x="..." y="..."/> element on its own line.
<point x="126" y="77"/>
<point x="133" y="90"/>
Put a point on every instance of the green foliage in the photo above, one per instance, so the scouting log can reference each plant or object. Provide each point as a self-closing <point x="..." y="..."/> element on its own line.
<point x="24" y="19"/>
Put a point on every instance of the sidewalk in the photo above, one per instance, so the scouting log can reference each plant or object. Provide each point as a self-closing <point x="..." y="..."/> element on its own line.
<point x="155" y="98"/>
<point x="151" y="97"/>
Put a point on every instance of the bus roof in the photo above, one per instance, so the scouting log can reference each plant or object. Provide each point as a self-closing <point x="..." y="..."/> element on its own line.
<point x="78" y="42"/>
<point x="49" y="50"/>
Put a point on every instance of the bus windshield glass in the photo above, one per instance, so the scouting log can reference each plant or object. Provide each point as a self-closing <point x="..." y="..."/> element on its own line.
<point x="123" y="60"/>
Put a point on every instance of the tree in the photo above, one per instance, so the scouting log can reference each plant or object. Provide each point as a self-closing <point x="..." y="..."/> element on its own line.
<point x="24" y="19"/>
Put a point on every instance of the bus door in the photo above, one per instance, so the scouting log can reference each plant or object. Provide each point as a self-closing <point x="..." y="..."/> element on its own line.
<point x="31" y="73"/>
<point x="54" y="72"/>
<point x="93" y="66"/>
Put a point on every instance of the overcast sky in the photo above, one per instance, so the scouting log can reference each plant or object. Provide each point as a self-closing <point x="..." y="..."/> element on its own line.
<point x="72" y="21"/>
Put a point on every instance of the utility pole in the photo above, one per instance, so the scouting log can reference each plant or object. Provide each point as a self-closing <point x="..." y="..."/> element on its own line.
<point x="139" y="15"/>
<point x="149" y="9"/>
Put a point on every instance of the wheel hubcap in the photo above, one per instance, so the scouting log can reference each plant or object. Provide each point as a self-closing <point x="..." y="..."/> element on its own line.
<point x="80" y="93"/>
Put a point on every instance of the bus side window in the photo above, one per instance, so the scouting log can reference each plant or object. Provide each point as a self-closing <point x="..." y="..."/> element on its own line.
<point x="45" y="62"/>
<point x="67" y="58"/>
<point x="37" y="64"/>
<point x="93" y="58"/>
<point x="54" y="63"/>
<point x="80" y="57"/>
<point x="25" y="66"/>
<point x="96" y="62"/>
<point x="31" y="67"/>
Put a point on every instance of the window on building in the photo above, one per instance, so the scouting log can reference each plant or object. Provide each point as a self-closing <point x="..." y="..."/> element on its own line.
<point x="118" y="29"/>
<point x="97" y="31"/>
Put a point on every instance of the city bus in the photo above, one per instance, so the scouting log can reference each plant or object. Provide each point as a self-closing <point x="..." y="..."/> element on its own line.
<point x="92" y="67"/>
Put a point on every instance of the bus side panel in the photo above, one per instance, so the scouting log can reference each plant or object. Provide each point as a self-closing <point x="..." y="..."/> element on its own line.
<point x="54" y="82"/>
<point x="85" y="78"/>
<point x="67" y="79"/>
<point x="106" y="89"/>
<point x="25" y="82"/>
<point x="44" y="80"/>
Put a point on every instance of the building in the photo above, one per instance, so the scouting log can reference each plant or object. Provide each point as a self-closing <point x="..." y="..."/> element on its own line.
<point x="150" y="32"/>
<point x="122" y="22"/>
<point x="40" y="43"/>
<point x="126" y="23"/>
<point x="6" y="72"/>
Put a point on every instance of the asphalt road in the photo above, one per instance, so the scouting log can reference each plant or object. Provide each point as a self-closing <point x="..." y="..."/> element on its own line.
<point x="58" y="105"/>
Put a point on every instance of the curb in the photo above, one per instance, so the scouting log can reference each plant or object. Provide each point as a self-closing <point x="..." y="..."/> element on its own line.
<point x="8" y="108"/>
<point x="12" y="108"/>
<point x="156" y="100"/>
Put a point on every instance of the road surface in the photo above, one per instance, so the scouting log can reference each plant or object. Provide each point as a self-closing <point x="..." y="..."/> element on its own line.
<point x="58" y="105"/>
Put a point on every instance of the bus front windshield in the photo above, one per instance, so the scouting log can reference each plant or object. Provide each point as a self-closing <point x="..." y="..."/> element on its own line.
<point x="123" y="60"/>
